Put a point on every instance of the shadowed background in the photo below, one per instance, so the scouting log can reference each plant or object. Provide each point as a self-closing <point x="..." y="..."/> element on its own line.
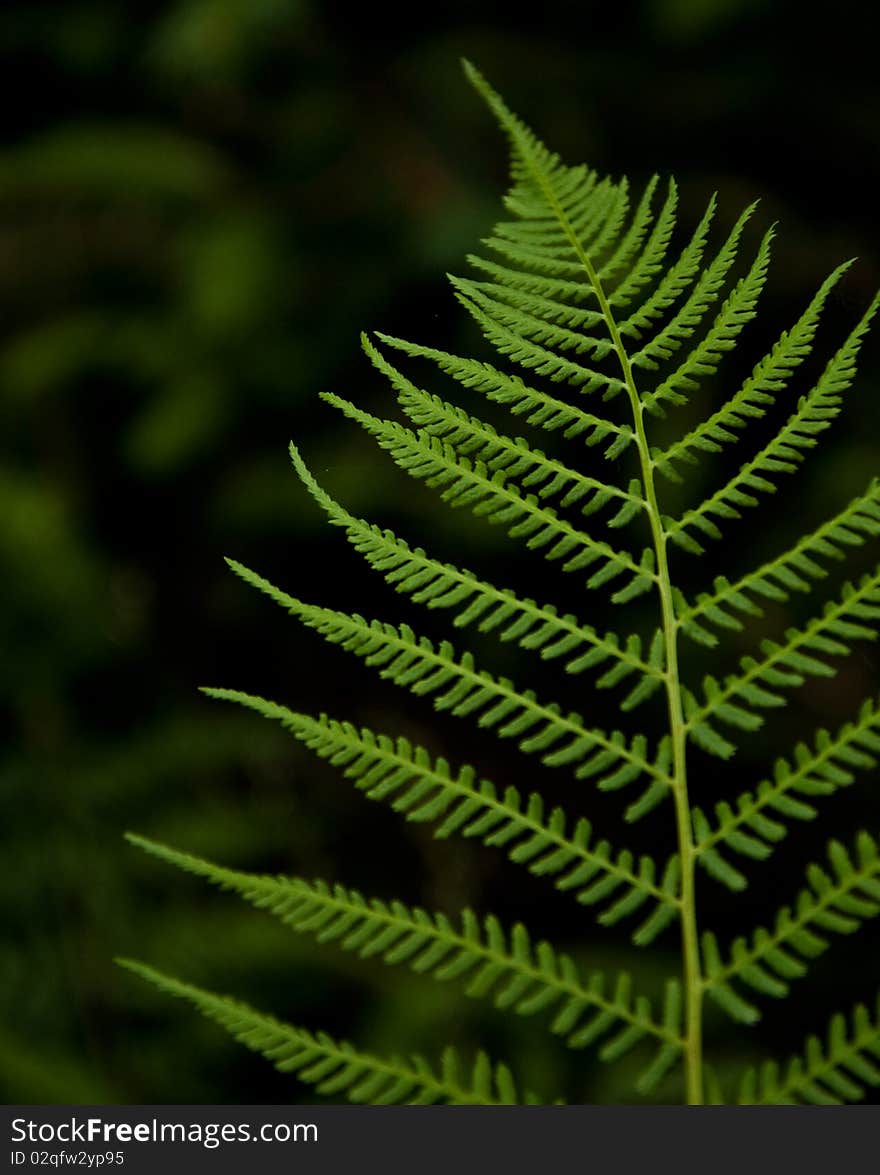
<point x="201" y="205"/>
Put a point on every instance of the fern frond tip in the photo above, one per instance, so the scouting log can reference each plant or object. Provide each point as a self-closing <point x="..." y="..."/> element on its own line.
<point x="140" y="842"/>
<point x="153" y="847"/>
<point x="261" y="706"/>
<point x="128" y="964"/>
<point x="472" y="74"/>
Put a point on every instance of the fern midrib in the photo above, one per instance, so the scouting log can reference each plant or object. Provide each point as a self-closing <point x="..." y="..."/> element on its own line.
<point x="693" y="1050"/>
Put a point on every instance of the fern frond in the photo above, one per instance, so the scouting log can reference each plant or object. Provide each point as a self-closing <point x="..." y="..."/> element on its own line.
<point x="785" y="452"/>
<point x="828" y="1074"/>
<point x="503" y="964"/>
<point x="770" y="959"/>
<point x="853" y="616"/>
<point x="522" y="466"/>
<point x="795" y="570"/>
<point x="754" y="824"/>
<point x="737" y="310"/>
<point x="470" y="483"/>
<point x="533" y="626"/>
<point x="424" y="789"/>
<point x="336" y="1068"/>
<point x="769" y="377"/>
<point x="538" y="407"/>
<point x="577" y="290"/>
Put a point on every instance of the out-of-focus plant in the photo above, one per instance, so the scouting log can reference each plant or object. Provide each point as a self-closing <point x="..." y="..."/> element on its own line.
<point x="167" y="279"/>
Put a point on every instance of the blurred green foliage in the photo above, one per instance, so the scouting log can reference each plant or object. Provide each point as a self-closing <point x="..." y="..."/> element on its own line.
<point x="201" y="204"/>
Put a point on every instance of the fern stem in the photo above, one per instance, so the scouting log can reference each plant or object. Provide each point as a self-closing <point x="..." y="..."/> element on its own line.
<point x="693" y="979"/>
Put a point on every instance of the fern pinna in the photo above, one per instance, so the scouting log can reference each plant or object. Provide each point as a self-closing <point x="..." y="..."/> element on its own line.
<point x="577" y="295"/>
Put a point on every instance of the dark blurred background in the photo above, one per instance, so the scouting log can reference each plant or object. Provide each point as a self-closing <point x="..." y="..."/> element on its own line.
<point x="201" y="205"/>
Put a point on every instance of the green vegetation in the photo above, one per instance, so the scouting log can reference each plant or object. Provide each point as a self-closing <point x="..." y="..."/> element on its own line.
<point x="584" y="273"/>
<point x="202" y="204"/>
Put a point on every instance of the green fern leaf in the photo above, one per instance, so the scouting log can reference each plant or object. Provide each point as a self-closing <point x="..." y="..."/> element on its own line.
<point x="795" y="570"/>
<point x="738" y="309"/>
<point x="826" y="1075"/>
<point x="682" y="325"/>
<point x="786" y="451"/>
<point x="493" y="961"/>
<point x="424" y="789"/>
<point x="539" y="408"/>
<point x="533" y="626"/>
<point x="770" y="959"/>
<point x="335" y="1068"/>
<point x="769" y="377"/>
<point x="576" y="291"/>
<point x="753" y="825"/>
<point x="669" y="287"/>
<point x="470" y="483"/>
<point x="457" y="685"/>
<point x="521" y="465"/>
<point x="784" y="666"/>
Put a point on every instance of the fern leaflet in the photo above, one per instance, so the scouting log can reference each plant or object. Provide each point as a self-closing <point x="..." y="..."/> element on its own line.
<point x="504" y="964"/>
<point x="335" y="1067"/>
<point x="424" y="789"/>
<point x="772" y="958"/>
<point x="826" y="1075"/>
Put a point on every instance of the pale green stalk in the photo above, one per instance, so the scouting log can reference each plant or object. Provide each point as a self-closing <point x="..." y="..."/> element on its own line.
<point x="692" y="974"/>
